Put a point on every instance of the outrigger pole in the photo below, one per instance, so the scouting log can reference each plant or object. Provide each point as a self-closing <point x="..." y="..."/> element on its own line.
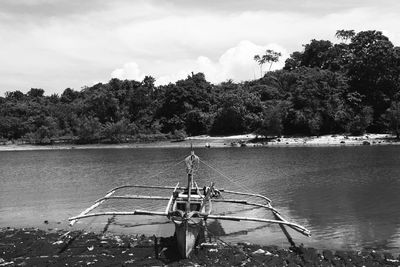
<point x="296" y="227"/>
<point x="278" y="218"/>
<point x="95" y="205"/>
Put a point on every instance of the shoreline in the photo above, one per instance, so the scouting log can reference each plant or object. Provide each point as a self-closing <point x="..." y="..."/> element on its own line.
<point x="248" y="140"/>
<point x="30" y="246"/>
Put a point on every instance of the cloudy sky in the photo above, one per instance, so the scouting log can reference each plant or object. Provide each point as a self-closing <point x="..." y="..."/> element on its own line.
<point x="55" y="44"/>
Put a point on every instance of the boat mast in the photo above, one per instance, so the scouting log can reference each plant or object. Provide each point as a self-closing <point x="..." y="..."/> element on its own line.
<point x="190" y="179"/>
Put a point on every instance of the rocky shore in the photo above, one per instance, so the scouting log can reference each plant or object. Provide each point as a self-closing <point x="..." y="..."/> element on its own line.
<point x="33" y="247"/>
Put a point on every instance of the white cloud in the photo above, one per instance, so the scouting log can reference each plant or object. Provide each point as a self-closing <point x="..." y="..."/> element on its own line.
<point x="130" y="71"/>
<point x="166" y="79"/>
<point x="165" y="39"/>
<point x="236" y="63"/>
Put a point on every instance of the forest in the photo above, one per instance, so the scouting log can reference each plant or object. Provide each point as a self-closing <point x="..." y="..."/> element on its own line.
<point x="351" y="86"/>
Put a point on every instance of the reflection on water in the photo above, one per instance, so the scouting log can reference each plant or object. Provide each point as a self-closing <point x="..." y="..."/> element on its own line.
<point x="347" y="196"/>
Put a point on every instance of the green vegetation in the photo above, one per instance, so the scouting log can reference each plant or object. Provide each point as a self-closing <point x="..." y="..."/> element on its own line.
<point x="351" y="86"/>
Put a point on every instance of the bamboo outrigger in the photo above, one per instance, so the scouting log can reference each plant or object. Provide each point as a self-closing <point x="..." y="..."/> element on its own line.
<point x="189" y="207"/>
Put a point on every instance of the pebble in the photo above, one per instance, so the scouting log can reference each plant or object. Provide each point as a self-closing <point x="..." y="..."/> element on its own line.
<point x="259" y="251"/>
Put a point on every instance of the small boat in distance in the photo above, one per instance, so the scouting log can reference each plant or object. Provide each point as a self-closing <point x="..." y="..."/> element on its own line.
<point x="189" y="207"/>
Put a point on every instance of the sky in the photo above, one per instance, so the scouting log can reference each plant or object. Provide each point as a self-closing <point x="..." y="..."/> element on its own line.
<point x="59" y="44"/>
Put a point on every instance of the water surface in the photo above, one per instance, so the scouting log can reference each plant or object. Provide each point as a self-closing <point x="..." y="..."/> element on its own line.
<point x="347" y="196"/>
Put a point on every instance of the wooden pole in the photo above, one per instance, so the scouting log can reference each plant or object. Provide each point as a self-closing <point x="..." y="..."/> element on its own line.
<point x="296" y="227"/>
<point x="144" y="186"/>
<point x="245" y="194"/>
<point x="168" y="208"/>
<point x="245" y="202"/>
<point x="182" y="188"/>
<point x="285" y="232"/>
<point x="134" y="197"/>
<point x="274" y="211"/>
<point x="95" y="205"/>
<point x="190" y="177"/>
<point x="116" y="213"/>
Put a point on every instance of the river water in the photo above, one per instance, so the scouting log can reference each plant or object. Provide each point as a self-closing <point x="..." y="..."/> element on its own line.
<point x="348" y="197"/>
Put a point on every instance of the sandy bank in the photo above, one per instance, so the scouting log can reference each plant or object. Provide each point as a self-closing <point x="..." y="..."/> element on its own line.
<point x="32" y="247"/>
<point x="248" y="140"/>
<point x="335" y="140"/>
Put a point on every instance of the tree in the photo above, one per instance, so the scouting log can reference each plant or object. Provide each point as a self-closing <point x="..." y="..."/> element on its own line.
<point x="272" y="121"/>
<point x="318" y="54"/>
<point x="270" y="56"/>
<point x="35" y="92"/>
<point x="315" y="96"/>
<point x="89" y="130"/>
<point x="230" y="118"/>
<point x="294" y="61"/>
<point x="196" y="122"/>
<point x="177" y="100"/>
<point x="373" y="71"/>
<point x="17" y="95"/>
<point x="345" y="35"/>
<point x="360" y="121"/>
<point x="393" y="115"/>
<point x="100" y="102"/>
<point x="117" y="132"/>
<point x="69" y="95"/>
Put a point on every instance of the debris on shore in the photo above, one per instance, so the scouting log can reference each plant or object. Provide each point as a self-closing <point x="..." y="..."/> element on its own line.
<point x="33" y="247"/>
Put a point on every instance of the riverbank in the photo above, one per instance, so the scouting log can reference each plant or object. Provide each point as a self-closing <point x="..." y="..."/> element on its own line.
<point x="33" y="247"/>
<point x="248" y="140"/>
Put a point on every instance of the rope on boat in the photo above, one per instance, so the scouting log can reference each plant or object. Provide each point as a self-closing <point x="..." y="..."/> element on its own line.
<point x="230" y="179"/>
<point x="152" y="176"/>
<point x="274" y="211"/>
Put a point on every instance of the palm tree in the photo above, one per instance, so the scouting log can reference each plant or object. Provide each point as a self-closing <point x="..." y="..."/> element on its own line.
<point x="270" y="56"/>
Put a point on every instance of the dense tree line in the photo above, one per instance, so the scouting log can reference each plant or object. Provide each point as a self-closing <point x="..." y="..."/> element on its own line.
<point x="351" y="86"/>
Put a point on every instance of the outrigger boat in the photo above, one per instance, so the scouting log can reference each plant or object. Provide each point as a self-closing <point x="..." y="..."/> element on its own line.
<point x="189" y="207"/>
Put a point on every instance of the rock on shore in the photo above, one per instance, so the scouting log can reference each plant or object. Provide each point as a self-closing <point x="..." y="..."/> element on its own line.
<point x="33" y="247"/>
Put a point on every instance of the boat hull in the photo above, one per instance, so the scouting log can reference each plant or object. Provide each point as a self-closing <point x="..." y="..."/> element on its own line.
<point x="187" y="233"/>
